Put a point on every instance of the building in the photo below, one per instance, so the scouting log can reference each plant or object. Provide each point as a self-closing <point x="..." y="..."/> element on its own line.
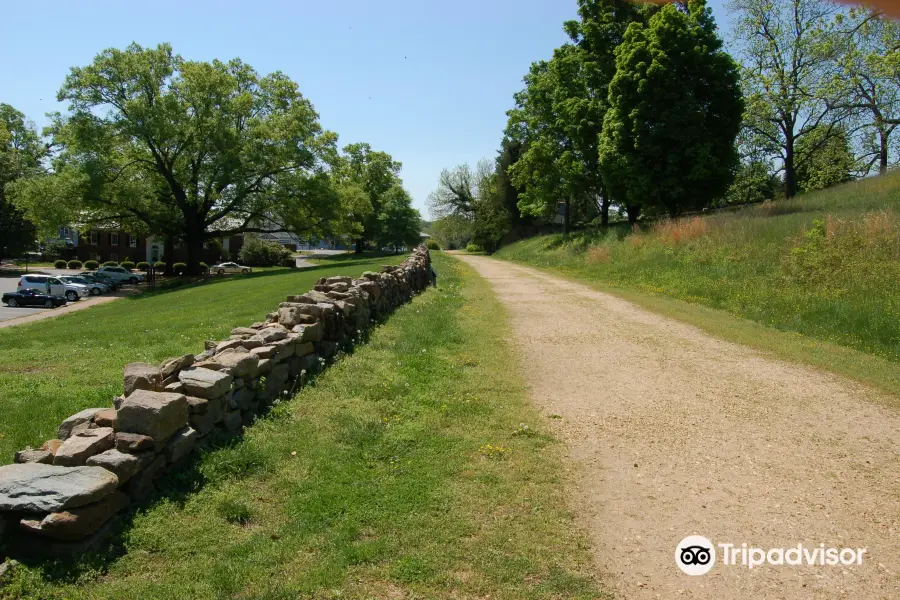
<point x="105" y="245"/>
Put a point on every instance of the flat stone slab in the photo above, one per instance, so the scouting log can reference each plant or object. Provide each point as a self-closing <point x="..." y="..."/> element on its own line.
<point x="80" y="418"/>
<point x="204" y="383"/>
<point x="78" y="448"/>
<point x="141" y="376"/>
<point x="36" y="487"/>
<point x="77" y="523"/>
<point x="123" y="464"/>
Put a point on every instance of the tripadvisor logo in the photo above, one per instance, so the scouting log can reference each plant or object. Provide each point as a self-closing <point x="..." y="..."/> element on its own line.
<point x="696" y="555"/>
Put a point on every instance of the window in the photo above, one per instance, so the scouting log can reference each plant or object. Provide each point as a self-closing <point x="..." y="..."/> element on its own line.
<point x="55" y="282"/>
<point x="94" y="238"/>
<point x="132" y="241"/>
<point x="114" y="256"/>
<point x="114" y="239"/>
<point x="94" y="256"/>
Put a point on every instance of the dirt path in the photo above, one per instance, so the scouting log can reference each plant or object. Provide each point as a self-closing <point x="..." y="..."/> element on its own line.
<point x="675" y="433"/>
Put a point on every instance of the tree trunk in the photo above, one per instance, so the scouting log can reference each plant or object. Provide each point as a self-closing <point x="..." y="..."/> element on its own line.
<point x="883" y="154"/>
<point x="194" y="252"/>
<point x="790" y="175"/>
<point x="634" y="211"/>
<point x="566" y="218"/>
<point x="359" y="246"/>
<point x="604" y="208"/>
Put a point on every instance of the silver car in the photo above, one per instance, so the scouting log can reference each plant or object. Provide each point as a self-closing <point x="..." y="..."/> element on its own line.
<point x="229" y="267"/>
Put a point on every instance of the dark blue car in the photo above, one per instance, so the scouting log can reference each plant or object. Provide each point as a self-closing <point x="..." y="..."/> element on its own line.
<point x="32" y="298"/>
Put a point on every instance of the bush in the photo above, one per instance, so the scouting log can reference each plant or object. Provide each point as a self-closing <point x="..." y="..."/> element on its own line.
<point x="289" y="262"/>
<point x="110" y="263"/>
<point x="60" y="264"/>
<point x="473" y="248"/>
<point x="160" y="266"/>
<point x="127" y="264"/>
<point x="259" y="253"/>
<point x="143" y="266"/>
<point x="432" y="245"/>
<point x="179" y="268"/>
<point x="204" y="267"/>
<point x="91" y="265"/>
<point x="74" y="264"/>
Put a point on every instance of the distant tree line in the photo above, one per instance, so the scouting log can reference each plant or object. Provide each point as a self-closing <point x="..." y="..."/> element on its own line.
<point x="645" y="112"/>
<point x="192" y="151"/>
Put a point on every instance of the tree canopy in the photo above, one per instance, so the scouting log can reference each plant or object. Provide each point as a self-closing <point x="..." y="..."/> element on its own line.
<point x="21" y="152"/>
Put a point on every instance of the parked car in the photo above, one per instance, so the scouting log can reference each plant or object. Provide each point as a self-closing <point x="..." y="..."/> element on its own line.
<point x="229" y="267"/>
<point x="95" y="287"/>
<point x="100" y="278"/>
<point x="122" y="274"/>
<point x="52" y="285"/>
<point x="28" y="297"/>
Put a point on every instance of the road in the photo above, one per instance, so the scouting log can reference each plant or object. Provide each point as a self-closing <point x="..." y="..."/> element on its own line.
<point x="673" y="433"/>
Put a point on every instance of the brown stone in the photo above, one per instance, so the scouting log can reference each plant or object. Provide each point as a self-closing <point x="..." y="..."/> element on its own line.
<point x="34" y="456"/>
<point x="77" y="523"/>
<point x="155" y="414"/>
<point x="133" y="442"/>
<point x="106" y="418"/>
<point x="123" y="464"/>
<point x="141" y="376"/>
<point x="51" y="446"/>
<point x="171" y="367"/>
<point x="75" y="451"/>
<point x="197" y="406"/>
<point x="84" y="417"/>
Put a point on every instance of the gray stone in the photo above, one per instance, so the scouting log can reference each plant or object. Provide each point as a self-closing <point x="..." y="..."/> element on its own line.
<point x="238" y="364"/>
<point x="251" y="343"/>
<point x="155" y="414"/>
<point x="133" y="442"/>
<point x="232" y="421"/>
<point x="265" y="366"/>
<point x="268" y="335"/>
<point x="175" y="387"/>
<point x="284" y="349"/>
<point x="338" y="279"/>
<point x="106" y="418"/>
<point x="173" y="365"/>
<point x="78" y="448"/>
<point x="229" y="345"/>
<point x="141" y="485"/>
<point x="197" y="406"/>
<point x="180" y="445"/>
<point x="123" y="464"/>
<point x="34" y="456"/>
<point x="241" y="400"/>
<point x="243" y="331"/>
<point x="141" y="376"/>
<point x="292" y="315"/>
<point x="310" y="333"/>
<point x="47" y="488"/>
<point x="205" y="383"/>
<point x="202" y="423"/>
<point x="264" y="351"/>
<point x="77" y="523"/>
<point x="80" y="418"/>
<point x="301" y="350"/>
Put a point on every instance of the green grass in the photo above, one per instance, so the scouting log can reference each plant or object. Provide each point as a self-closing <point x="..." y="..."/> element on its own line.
<point x="401" y="472"/>
<point x="54" y="368"/>
<point x="825" y="265"/>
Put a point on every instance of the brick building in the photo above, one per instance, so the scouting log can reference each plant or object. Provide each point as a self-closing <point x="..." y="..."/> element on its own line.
<point x="104" y="245"/>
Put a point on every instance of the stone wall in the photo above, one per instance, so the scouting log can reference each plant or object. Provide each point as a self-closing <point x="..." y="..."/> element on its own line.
<point x="62" y="497"/>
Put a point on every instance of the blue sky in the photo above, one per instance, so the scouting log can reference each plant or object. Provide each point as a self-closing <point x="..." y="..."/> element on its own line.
<point x="429" y="82"/>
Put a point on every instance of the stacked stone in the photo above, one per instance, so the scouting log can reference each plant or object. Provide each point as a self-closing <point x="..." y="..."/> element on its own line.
<point x="63" y="495"/>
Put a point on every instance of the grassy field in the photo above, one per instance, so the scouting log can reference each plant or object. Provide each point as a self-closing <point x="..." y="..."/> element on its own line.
<point x="825" y="265"/>
<point x="404" y="471"/>
<point x="51" y="369"/>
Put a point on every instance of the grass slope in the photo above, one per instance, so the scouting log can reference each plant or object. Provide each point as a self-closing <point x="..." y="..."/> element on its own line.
<point x="825" y="265"/>
<point x="51" y="369"/>
<point x="402" y="472"/>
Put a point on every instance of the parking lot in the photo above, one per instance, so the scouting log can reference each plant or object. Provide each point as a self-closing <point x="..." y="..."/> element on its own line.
<point x="14" y="316"/>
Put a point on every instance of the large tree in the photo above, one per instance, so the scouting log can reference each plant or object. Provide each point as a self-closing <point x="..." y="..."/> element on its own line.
<point x="21" y="151"/>
<point x="399" y="222"/>
<point x="193" y="149"/>
<point x="787" y="75"/>
<point x="375" y="173"/>
<point x="668" y="138"/>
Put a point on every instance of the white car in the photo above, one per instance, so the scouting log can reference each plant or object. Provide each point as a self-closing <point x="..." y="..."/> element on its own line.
<point x="229" y="267"/>
<point x="95" y="288"/>
<point x="122" y="275"/>
<point x="54" y="286"/>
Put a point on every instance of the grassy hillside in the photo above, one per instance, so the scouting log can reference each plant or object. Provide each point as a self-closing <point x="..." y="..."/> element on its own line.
<point x="826" y="265"/>
<point x="54" y="368"/>
<point x="403" y="472"/>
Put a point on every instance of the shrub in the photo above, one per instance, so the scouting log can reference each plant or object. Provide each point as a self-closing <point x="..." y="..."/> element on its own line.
<point x="60" y="264"/>
<point x="260" y="253"/>
<point x="204" y="268"/>
<point x="179" y="268"/>
<point x="473" y="248"/>
<point x="110" y="263"/>
<point x="91" y="265"/>
<point x="290" y="261"/>
<point x="159" y="266"/>
<point x="432" y="245"/>
<point x="143" y="266"/>
<point x="74" y="264"/>
<point x="127" y="264"/>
